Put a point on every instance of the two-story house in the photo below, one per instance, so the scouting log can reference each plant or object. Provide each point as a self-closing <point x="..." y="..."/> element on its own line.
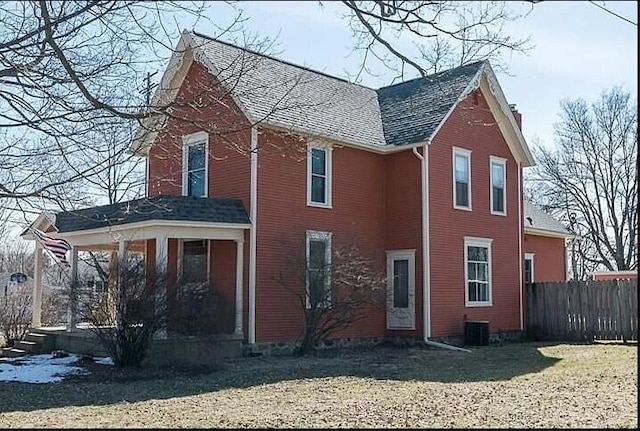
<point x="260" y="160"/>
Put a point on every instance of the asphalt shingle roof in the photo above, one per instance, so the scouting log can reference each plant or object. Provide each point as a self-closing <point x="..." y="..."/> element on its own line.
<point x="536" y="218"/>
<point x="412" y="110"/>
<point x="162" y="207"/>
<point x="295" y="97"/>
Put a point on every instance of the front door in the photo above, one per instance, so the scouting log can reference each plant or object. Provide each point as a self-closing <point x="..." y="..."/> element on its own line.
<point x="401" y="289"/>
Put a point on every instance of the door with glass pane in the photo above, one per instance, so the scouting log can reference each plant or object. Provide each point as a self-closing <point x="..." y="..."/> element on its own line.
<point x="401" y="292"/>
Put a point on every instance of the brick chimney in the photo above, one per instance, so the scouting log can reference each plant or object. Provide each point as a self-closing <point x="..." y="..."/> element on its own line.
<point x="516" y="114"/>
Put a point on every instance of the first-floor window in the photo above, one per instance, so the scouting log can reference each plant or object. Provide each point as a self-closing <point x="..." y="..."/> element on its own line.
<point x="477" y="256"/>
<point x="318" y="269"/>
<point x="194" y="261"/>
<point x="528" y="268"/>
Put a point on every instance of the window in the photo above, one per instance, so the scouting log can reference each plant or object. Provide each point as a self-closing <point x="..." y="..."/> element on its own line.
<point x="401" y="283"/>
<point x="319" y="177"/>
<point x="194" y="159"/>
<point x="498" y="185"/>
<point x="195" y="268"/>
<point x="528" y="268"/>
<point x="318" y="269"/>
<point x="477" y="257"/>
<point x="461" y="179"/>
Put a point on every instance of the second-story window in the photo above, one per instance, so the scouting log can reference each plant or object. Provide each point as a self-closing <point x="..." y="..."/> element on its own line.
<point x="319" y="176"/>
<point x="498" y="185"/>
<point x="461" y="179"/>
<point x="194" y="179"/>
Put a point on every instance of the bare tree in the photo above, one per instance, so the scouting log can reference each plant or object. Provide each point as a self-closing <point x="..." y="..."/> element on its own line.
<point x="591" y="179"/>
<point x="339" y="291"/>
<point x="447" y="33"/>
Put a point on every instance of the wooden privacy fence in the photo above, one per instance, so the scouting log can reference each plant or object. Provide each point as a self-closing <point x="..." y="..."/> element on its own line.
<point x="582" y="310"/>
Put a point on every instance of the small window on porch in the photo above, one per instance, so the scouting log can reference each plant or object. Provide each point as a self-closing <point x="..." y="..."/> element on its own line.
<point x="194" y="261"/>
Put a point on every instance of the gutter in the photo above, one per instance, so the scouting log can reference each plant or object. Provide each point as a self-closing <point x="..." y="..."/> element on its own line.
<point x="426" y="256"/>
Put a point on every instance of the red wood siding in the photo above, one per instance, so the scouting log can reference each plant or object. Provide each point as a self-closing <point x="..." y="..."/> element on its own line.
<point x="549" y="262"/>
<point x="357" y="217"/>
<point x="473" y="127"/>
<point x="404" y="220"/>
<point x="229" y="136"/>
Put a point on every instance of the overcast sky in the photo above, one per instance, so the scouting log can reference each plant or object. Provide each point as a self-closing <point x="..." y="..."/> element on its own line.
<point x="579" y="50"/>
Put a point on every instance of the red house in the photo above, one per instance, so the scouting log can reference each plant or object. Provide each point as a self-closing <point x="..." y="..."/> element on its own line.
<point x="260" y="160"/>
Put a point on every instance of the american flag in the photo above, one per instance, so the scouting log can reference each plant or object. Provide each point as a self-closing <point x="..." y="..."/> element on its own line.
<point x="58" y="247"/>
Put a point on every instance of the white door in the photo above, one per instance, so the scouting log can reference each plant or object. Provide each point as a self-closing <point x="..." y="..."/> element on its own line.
<point x="401" y="289"/>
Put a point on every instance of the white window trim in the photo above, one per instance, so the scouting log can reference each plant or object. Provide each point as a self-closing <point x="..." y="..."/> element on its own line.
<point x="466" y="153"/>
<point x="410" y="255"/>
<point x="313" y="235"/>
<point x="531" y="256"/>
<point x="181" y="255"/>
<point x="503" y="162"/>
<point x="187" y="141"/>
<point x="329" y="175"/>
<point x="477" y="242"/>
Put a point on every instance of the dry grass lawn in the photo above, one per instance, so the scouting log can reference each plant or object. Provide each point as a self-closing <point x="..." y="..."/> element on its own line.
<point x="523" y="385"/>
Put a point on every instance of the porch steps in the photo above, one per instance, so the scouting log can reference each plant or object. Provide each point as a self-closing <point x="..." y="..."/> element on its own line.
<point x="33" y="343"/>
<point x="12" y="352"/>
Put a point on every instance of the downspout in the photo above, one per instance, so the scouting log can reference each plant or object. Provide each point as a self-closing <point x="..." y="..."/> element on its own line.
<point x="426" y="256"/>
<point x="520" y="228"/>
<point x="251" y="336"/>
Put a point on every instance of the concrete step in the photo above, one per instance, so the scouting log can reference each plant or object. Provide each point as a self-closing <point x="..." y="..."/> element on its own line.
<point x="47" y="341"/>
<point x="12" y="352"/>
<point x="29" y="346"/>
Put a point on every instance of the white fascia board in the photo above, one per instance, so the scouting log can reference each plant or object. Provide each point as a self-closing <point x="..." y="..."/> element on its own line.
<point x="549" y="233"/>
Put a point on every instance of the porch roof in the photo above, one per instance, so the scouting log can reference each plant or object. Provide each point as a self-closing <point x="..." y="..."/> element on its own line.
<point x="161" y="207"/>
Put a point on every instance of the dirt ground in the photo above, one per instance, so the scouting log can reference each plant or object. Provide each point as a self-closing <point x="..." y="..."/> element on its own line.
<point x="522" y="385"/>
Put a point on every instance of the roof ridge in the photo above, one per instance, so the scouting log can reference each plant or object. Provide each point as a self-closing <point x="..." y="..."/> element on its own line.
<point x="308" y="69"/>
<point x="431" y="75"/>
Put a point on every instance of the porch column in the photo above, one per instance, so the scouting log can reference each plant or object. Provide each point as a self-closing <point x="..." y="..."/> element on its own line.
<point x="239" y="279"/>
<point x="122" y="270"/>
<point x="73" y="291"/>
<point x="37" y="288"/>
<point x="162" y="248"/>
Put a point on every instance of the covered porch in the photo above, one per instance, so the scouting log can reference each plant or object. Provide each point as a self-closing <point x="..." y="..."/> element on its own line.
<point x="193" y="249"/>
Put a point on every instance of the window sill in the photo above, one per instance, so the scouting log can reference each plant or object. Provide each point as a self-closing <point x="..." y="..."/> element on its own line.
<point x="469" y="209"/>
<point x="478" y="304"/>
<point x="315" y="205"/>
<point x="504" y="214"/>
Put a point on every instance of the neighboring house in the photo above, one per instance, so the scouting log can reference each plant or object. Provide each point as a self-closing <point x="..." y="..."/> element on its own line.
<point x="425" y="176"/>
<point x="545" y="251"/>
<point x="614" y="275"/>
<point x="11" y="281"/>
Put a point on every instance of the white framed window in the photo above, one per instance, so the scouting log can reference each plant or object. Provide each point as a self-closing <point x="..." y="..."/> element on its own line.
<point x="461" y="179"/>
<point x="477" y="272"/>
<point x="193" y="262"/>
<point x="195" y="164"/>
<point x="498" y="167"/>
<point x="318" y="279"/>
<point x="529" y="272"/>
<point x="319" y="176"/>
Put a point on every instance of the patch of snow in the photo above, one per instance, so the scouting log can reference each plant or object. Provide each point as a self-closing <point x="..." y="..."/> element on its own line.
<point x="104" y="361"/>
<point x="38" y="368"/>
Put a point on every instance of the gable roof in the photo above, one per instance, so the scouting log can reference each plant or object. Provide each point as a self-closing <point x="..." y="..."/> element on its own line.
<point x="161" y="207"/>
<point x="294" y="97"/>
<point x="537" y="221"/>
<point x="411" y="111"/>
<point x="280" y="94"/>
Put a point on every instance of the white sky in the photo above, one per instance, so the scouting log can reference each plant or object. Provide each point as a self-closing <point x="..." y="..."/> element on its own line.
<point x="579" y="51"/>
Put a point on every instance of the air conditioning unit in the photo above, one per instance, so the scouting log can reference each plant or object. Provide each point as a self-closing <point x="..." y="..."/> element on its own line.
<point x="476" y="332"/>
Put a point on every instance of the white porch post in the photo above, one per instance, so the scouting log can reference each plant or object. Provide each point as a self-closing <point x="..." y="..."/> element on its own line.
<point x="73" y="291"/>
<point x="122" y="268"/>
<point x="37" y="288"/>
<point x="239" y="279"/>
<point x="162" y="247"/>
